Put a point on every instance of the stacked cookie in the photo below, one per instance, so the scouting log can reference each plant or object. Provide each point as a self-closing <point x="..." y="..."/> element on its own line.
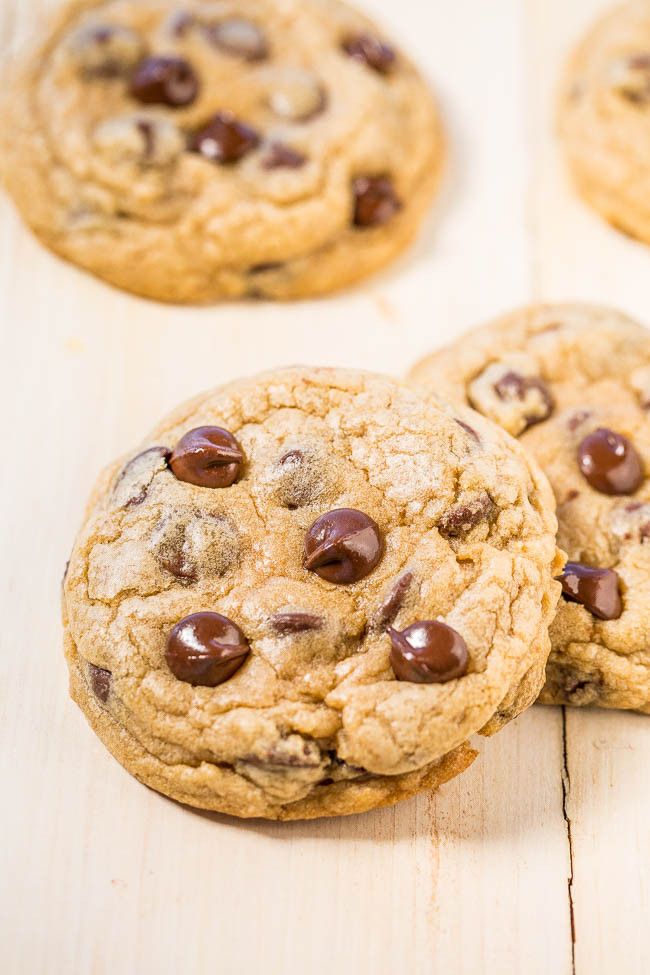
<point x="305" y="591"/>
<point x="572" y="383"/>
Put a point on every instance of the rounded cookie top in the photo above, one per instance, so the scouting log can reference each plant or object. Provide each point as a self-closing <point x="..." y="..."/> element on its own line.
<point x="191" y="150"/>
<point x="604" y="117"/>
<point x="573" y="382"/>
<point x="309" y="583"/>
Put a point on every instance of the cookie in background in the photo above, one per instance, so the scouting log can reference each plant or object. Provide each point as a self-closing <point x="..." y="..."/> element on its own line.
<point x="572" y="383"/>
<point x="604" y="117"/>
<point x="194" y="151"/>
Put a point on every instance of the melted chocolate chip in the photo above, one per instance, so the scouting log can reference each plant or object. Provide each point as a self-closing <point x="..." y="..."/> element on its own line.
<point x="206" y="649"/>
<point x="370" y="51"/>
<point x="208" y="457"/>
<point x="512" y="386"/>
<point x="343" y="546"/>
<point x="598" y="590"/>
<point x="460" y="519"/>
<point x="394" y="601"/>
<point x="100" y="681"/>
<point x="280" y="156"/>
<point x="375" y="201"/>
<point x="165" y="81"/>
<point x="286" y="624"/>
<point x="240" y="38"/>
<point x="428" y="652"/>
<point x="610" y="463"/>
<point x="225" y="139"/>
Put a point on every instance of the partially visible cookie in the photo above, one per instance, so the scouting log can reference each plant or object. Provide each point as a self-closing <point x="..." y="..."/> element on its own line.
<point x="604" y="117"/>
<point x="306" y="590"/>
<point x="193" y="150"/>
<point x="573" y="383"/>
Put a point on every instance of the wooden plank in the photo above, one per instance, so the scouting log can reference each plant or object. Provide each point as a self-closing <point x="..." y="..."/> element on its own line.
<point x="102" y="876"/>
<point x="577" y="256"/>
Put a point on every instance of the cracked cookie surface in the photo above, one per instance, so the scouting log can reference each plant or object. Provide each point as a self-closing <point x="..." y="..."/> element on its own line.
<point x="604" y="117"/>
<point x="573" y="383"/>
<point x="356" y="510"/>
<point x="193" y="150"/>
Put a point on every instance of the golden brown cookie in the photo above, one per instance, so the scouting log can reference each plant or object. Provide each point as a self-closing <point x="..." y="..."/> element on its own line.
<point x="573" y="383"/>
<point x="604" y="117"/>
<point x="306" y="590"/>
<point x="191" y="150"/>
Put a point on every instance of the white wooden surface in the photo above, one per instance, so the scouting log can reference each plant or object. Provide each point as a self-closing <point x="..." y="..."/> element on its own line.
<point x="99" y="875"/>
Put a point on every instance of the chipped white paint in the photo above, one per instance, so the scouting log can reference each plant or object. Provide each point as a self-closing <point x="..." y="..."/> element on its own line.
<point x="99" y="875"/>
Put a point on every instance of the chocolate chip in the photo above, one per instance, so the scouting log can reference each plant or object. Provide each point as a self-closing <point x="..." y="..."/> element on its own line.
<point x="208" y="457"/>
<point x="280" y="156"/>
<point x="224" y="139"/>
<point x="165" y="81"/>
<point x="135" y="480"/>
<point x="239" y="37"/>
<point x="285" y="624"/>
<point x="146" y="130"/>
<point x="370" y="51"/>
<point x="394" y="601"/>
<point x="598" y="590"/>
<point x="610" y="463"/>
<point x="460" y="519"/>
<point x="428" y="652"/>
<point x="375" y="201"/>
<point x="206" y="649"/>
<point x="100" y="681"/>
<point x="512" y="386"/>
<point x="343" y="546"/>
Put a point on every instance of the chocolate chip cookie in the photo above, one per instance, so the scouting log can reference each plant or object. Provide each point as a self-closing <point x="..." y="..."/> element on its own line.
<point x="573" y="383"/>
<point x="604" y="117"/>
<point x="304" y="591"/>
<point x="191" y="150"/>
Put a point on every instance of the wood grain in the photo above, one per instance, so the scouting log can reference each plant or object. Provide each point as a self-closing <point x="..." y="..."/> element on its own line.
<point x="99" y="875"/>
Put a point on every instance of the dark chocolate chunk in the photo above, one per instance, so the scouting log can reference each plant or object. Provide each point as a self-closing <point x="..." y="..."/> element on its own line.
<point x="598" y="590"/>
<point x="165" y="81"/>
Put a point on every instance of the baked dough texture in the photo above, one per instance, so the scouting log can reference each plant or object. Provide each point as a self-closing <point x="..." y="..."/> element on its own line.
<point x="604" y="117"/>
<point x="554" y="375"/>
<point x="314" y="722"/>
<point x="291" y="151"/>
